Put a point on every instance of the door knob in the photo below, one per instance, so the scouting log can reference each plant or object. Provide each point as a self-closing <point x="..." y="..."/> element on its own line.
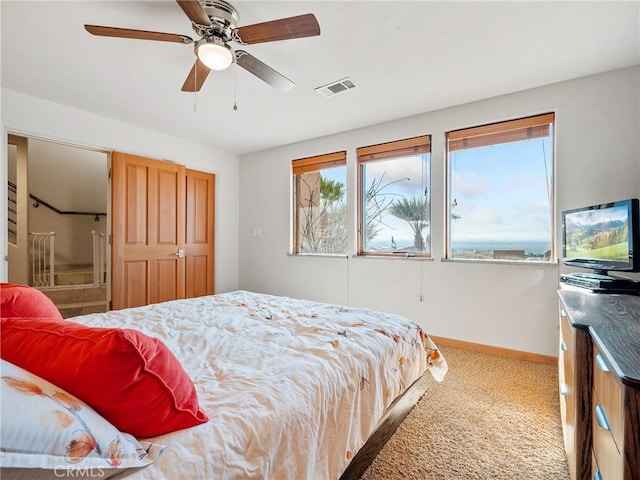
<point x="180" y="253"/>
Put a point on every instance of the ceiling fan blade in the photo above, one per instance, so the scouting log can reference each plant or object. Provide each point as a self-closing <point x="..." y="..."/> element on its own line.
<point x="196" y="77"/>
<point x="283" y="29"/>
<point x="137" y="34"/>
<point x="195" y="12"/>
<point x="263" y="71"/>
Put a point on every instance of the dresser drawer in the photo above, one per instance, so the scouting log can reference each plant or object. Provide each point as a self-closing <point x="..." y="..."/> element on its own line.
<point x="607" y="421"/>
<point x="609" y="394"/>
<point x="609" y="462"/>
<point x="566" y="353"/>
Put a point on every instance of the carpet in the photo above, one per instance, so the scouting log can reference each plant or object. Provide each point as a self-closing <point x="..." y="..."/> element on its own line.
<point x="491" y="418"/>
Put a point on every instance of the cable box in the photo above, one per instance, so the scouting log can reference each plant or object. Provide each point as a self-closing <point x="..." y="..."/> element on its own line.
<point x="601" y="283"/>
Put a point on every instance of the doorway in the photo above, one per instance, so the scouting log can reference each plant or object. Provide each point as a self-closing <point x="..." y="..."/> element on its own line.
<point x="58" y="222"/>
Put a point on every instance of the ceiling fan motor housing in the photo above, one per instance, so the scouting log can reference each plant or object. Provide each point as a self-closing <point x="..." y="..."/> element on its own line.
<point x="224" y="18"/>
<point x="214" y="37"/>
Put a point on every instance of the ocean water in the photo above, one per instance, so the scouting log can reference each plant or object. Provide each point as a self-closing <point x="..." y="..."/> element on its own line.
<point x="531" y="247"/>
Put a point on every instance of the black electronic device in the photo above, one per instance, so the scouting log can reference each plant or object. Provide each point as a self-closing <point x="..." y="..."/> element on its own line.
<point x="601" y="283"/>
<point x="602" y="237"/>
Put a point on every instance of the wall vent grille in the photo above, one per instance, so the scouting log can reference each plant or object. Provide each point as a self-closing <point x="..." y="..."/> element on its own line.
<point x="334" y="88"/>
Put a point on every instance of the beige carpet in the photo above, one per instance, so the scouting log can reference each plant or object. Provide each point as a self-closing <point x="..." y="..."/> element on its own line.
<point x="491" y="418"/>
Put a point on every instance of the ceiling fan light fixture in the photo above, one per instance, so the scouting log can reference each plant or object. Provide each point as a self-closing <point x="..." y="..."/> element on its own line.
<point x="214" y="53"/>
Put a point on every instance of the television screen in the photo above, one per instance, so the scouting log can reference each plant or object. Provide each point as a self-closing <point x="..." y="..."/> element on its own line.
<point x="602" y="237"/>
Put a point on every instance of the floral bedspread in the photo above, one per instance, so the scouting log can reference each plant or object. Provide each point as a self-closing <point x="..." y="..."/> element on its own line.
<point x="292" y="388"/>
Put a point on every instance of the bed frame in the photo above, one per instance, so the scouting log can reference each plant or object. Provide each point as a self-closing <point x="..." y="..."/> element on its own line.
<point x="387" y="426"/>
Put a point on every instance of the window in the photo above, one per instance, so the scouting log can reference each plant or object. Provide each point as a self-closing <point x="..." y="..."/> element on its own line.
<point x="394" y="212"/>
<point x="320" y="214"/>
<point x="501" y="190"/>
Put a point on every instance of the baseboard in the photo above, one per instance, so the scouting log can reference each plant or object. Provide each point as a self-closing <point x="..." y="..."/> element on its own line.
<point x="498" y="351"/>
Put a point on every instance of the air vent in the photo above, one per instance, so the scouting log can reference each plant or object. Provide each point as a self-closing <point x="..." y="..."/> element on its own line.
<point x="336" y="87"/>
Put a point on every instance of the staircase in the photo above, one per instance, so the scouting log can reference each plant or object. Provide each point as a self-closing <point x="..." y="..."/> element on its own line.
<point x="74" y="292"/>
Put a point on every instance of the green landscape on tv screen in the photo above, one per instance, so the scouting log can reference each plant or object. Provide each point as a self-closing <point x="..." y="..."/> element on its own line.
<point x="619" y="251"/>
<point x="598" y="235"/>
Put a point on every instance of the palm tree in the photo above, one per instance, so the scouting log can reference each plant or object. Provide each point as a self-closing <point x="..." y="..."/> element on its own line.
<point x="333" y="215"/>
<point x="331" y="191"/>
<point x="416" y="212"/>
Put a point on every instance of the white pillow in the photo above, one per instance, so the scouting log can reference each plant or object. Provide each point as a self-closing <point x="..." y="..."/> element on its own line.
<point x="44" y="428"/>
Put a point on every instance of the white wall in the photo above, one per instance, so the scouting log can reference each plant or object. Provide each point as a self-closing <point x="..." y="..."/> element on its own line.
<point x="511" y="306"/>
<point x="33" y="117"/>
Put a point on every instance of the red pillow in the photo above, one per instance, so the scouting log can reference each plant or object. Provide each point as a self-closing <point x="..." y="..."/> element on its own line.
<point x="24" y="301"/>
<point x="132" y="380"/>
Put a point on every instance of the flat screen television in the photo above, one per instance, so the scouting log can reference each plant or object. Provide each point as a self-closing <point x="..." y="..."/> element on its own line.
<point x="603" y="237"/>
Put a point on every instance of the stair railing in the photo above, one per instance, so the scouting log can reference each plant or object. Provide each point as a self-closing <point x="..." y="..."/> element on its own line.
<point x="12" y="212"/>
<point x="42" y="258"/>
<point x="39" y="201"/>
<point x="99" y="257"/>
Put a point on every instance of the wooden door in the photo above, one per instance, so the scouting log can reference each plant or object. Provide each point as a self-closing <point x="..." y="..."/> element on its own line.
<point x="200" y="206"/>
<point x="148" y="228"/>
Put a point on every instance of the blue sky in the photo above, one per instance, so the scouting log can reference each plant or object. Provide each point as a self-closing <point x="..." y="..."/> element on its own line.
<point x="503" y="192"/>
<point x="592" y="217"/>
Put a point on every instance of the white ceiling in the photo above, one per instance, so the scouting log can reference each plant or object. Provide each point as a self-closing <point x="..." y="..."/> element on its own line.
<point x="405" y="57"/>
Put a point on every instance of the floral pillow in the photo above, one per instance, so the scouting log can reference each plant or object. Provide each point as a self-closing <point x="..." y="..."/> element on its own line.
<point x="43" y="427"/>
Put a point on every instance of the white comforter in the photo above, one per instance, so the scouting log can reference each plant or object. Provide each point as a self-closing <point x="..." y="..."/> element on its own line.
<point x="292" y="388"/>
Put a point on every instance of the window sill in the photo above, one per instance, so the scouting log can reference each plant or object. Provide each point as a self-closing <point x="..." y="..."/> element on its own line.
<point x="537" y="263"/>
<point x="375" y="257"/>
<point x="395" y="257"/>
<point x="318" y="255"/>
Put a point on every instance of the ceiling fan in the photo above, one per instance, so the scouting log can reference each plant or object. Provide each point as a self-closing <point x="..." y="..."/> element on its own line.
<point x="216" y="23"/>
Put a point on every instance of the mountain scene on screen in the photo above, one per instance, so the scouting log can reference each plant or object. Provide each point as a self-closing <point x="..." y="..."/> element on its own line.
<point x="606" y="239"/>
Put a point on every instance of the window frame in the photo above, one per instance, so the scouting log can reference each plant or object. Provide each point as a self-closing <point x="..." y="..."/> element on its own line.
<point x="496" y="133"/>
<point x="419" y="145"/>
<point x="299" y="167"/>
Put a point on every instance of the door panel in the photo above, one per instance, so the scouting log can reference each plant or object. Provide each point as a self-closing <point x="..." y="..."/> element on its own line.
<point x="166" y="288"/>
<point x="135" y="275"/>
<point x="199" y="244"/>
<point x="169" y="207"/>
<point x="148" y="230"/>
<point x="135" y="201"/>
<point x="197" y="272"/>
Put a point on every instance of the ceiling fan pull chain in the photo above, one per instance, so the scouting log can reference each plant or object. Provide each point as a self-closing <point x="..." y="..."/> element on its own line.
<point x="235" y="88"/>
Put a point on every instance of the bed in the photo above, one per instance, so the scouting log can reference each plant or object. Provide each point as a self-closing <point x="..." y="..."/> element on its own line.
<point x="286" y="388"/>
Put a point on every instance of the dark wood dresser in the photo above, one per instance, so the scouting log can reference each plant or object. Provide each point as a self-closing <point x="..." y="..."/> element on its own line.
<point x="599" y="376"/>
